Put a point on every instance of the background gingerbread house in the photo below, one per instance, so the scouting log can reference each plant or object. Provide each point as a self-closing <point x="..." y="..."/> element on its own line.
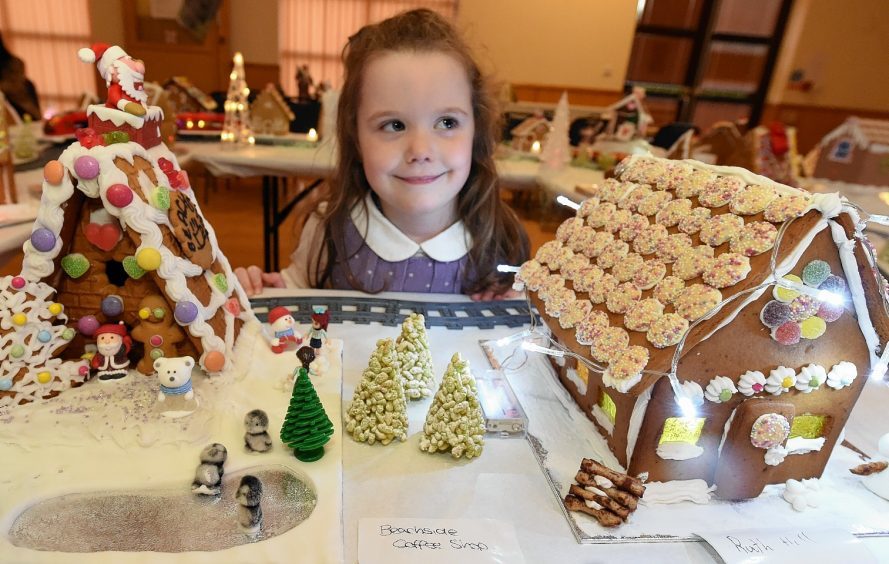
<point x="856" y="152"/>
<point x="269" y="113"/>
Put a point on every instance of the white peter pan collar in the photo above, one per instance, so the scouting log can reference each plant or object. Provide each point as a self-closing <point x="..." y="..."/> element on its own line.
<point x="387" y="241"/>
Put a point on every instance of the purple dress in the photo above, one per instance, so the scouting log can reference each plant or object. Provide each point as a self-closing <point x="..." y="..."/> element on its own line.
<point x="418" y="273"/>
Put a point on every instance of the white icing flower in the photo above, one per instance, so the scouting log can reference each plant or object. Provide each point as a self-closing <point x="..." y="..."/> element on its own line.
<point x="752" y="382"/>
<point x="694" y="392"/>
<point x="720" y="389"/>
<point x="810" y="378"/>
<point x="780" y="380"/>
<point x="775" y="455"/>
<point x="841" y="375"/>
<point x="801" y="495"/>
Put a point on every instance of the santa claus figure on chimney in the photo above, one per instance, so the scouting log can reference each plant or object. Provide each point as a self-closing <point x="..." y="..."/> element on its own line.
<point x="123" y="75"/>
<point x="112" y="346"/>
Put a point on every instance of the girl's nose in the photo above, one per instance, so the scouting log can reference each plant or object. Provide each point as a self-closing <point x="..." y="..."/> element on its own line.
<point x="419" y="148"/>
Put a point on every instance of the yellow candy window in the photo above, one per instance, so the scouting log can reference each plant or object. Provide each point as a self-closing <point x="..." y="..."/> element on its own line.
<point x="607" y="405"/>
<point x="682" y="429"/>
<point x="583" y="373"/>
<point x="807" y="426"/>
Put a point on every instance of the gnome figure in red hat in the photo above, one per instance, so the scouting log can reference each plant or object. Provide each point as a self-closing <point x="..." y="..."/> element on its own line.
<point x="284" y="327"/>
<point x="123" y="75"/>
<point x="112" y="346"/>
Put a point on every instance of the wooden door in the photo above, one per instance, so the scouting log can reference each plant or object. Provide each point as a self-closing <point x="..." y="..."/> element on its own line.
<point x="741" y="471"/>
<point x="169" y="49"/>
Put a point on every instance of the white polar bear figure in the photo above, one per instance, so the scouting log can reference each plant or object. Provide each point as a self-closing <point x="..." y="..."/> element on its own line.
<point x="174" y="376"/>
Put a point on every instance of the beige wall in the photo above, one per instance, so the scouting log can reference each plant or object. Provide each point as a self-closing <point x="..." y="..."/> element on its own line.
<point x="254" y="30"/>
<point x="579" y="43"/>
<point x="846" y="56"/>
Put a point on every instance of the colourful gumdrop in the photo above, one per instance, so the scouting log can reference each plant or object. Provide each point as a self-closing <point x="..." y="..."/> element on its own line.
<point x="119" y="195"/>
<point x="185" y="312"/>
<point x="18" y="282"/>
<point x="53" y="172"/>
<point x="112" y="305"/>
<point x="787" y="334"/>
<point x="87" y="137"/>
<point x="214" y="361"/>
<point x="87" y="325"/>
<point x="833" y="283"/>
<point x="803" y="307"/>
<point x="86" y="167"/>
<point x="785" y="294"/>
<point x="774" y="314"/>
<point x="43" y="239"/>
<point x="812" y="328"/>
<point x="830" y="312"/>
<point x="815" y="273"/>
<point x="5" y="384"/>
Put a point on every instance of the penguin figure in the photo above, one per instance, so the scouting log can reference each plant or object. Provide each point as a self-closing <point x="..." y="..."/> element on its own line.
<point x="208" y="476"/>
<point x="248" y="496"/>
<point x="257" y="438"/>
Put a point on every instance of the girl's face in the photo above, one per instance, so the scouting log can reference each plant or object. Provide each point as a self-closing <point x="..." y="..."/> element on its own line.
<point x="415" y="133"/>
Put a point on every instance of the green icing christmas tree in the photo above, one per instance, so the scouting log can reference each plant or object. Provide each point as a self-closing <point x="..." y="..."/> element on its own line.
<point x="378" y="411"/>
<point x="306" y="427"/>
<point x="414" y="358"/>
<point x="455" y="422"/>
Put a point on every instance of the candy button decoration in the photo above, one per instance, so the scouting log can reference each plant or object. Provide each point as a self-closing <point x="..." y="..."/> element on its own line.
<point x="87" y="325"/>
<point x="68" y="334"/>
<point x="144" y="313"/>
<point x="44" y="336"/>
<point x="214" y="361"/>
<point x="19" y="319"/>
<point x="83" y="370"/>
<point x="148" y="258"/>
<point x="815" y="273"/>
<point x="5" y="384"/>
<point x="53" y="172"/>
<point x="43" y="239"/>
<point x="769" y="430"/>
<point x="112" y="305"/>
<point x="156" y="354"/>
<point x="86" y="167"/>
<point x="155" y="340"/>
<point x="185" y="312"/>
<point x="56" y="308"/>
<point x="75" y="265"/>
<point x="787" y="295"/>
<point x="812" y="328"/>
<point x="17" y="351"/>
<point x="159" y="312"/>
<point x="18" y="282"/>
<point x="221" y="282"/>
<point x="44" y="377"/>
<point x="119" y="195"/>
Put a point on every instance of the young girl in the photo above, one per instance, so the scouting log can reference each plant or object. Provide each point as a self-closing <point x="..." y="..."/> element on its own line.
<point x="415" y="205"/>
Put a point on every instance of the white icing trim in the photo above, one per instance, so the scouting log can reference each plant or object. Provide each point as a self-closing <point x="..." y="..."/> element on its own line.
<point x="799" y="445"/>
<point x="603" y="419"/>
<point x="725" y="430"/>
<point x="678" y="450"/>
<point x="635" y="424"/>
<point x="622" y="385"/>
<point x="850" y="268"/>
<point x="118" y="117"/>
<point x="572" y="375"/>
<point x="676" y="491"/>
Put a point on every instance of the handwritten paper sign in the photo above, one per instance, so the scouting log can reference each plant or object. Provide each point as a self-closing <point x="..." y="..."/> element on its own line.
<point x="433" y="541"/>
<point x="787" y="546"/>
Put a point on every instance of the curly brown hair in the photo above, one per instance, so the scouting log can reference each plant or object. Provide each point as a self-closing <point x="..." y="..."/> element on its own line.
<point x="497" y="235"/>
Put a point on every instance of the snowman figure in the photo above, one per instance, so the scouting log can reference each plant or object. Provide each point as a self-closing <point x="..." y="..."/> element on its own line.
<point x="284" y="329"/>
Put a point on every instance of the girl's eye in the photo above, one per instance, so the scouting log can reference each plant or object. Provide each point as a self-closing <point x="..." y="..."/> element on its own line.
<point x="448" y="123"/>
<point x="393" y="125"/>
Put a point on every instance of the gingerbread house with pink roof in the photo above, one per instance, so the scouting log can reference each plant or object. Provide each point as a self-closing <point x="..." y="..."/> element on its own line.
<point x="119" y="236"/>
<point x="716" y="325"/>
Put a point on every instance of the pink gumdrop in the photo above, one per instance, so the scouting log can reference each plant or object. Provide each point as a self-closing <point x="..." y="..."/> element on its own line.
<point x="119" y="195"/>
<point x="86" y="167"/>
<point x="18" y="282"/>
<point x="787" y="334"/>
<point x="87" y="325"/>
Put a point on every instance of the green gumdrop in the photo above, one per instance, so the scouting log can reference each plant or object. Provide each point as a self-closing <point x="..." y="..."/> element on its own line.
<point x="221" y="282"/>
<point x="121" y="137"/>
<point x="108" y="138"/>
<point x="132" y="268"/>
<point x="75" y="265"/>
<point x="156" y="354"/>
<point x="161" y="198"/>
<point x="68" y="334"/>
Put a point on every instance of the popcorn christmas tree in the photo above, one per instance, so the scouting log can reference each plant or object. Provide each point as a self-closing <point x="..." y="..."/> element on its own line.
<point x="306" y="426"/>
<point x="236" y="127"/>
<point x="455" y="422"/>
<point x="378" y="411"/>
<point x="557" y="149"/>
<point x="32" y="331"/>
<point x="414" y="358"/>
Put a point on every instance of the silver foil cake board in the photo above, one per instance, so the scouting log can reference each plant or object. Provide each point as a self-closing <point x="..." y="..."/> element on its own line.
<point x="561" y="436"/>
